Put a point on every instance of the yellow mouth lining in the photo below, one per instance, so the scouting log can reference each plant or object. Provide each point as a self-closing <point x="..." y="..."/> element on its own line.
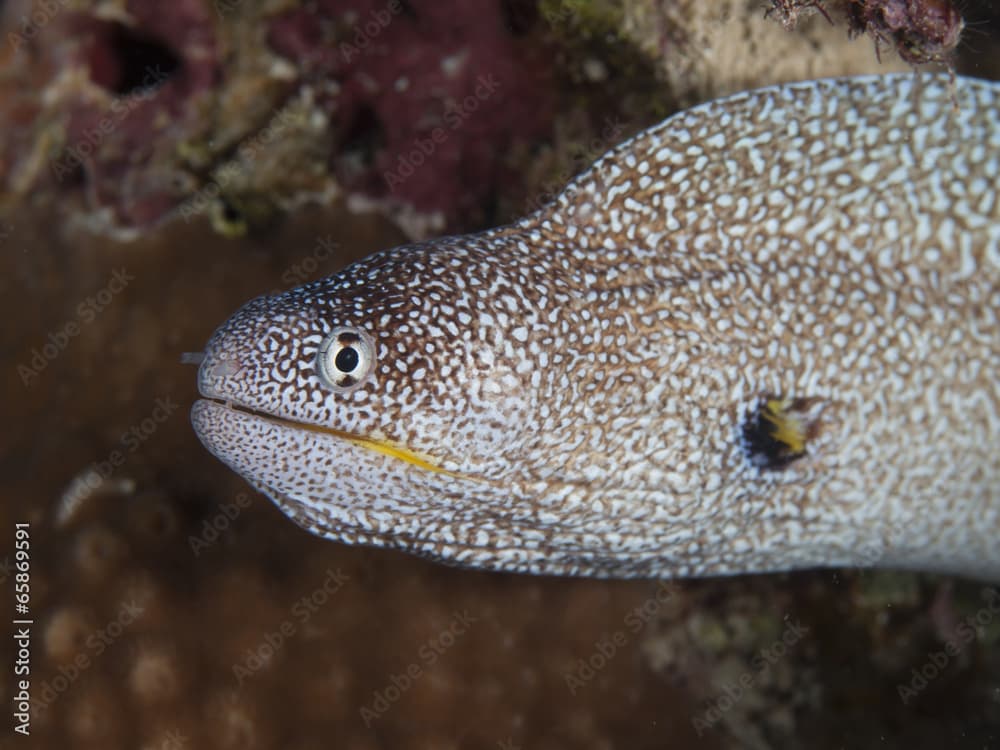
<point x="385" y="447"/>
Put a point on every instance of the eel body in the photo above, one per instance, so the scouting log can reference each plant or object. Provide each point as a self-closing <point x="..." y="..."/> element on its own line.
<point x="759" y="336"/>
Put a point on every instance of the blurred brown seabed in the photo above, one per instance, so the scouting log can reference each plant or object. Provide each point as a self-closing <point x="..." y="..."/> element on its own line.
<point x="175" y="608"/>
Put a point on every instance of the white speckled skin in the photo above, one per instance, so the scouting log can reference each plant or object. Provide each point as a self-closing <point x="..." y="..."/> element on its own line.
<point x="587" y="370"/>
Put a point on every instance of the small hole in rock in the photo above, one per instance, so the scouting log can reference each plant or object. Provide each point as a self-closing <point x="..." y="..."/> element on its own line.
<point x="519" y="16"/>
<point x="363" y="137"/>
<point x="407" y="9"/>
<point x="231" y="214"/>
<point x="138" y="61"/>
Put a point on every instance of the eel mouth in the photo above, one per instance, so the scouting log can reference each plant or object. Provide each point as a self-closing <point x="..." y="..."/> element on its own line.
<point x="385" y="447"/>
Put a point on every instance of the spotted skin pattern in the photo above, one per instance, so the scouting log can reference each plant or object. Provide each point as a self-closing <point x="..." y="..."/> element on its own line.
<point x="577" y="382"/>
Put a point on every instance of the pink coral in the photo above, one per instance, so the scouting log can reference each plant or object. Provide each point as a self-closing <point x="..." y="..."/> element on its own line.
<point x="430" y="95"/>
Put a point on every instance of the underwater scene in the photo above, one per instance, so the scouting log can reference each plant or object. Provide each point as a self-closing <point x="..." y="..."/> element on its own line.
<point x="508" y="374"/>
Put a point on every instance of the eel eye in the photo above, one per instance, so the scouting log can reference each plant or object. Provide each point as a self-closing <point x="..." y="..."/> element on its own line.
<point x="345" y="358"/>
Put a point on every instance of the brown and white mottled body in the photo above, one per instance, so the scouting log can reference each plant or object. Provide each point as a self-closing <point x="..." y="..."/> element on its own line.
<point x="568" y="394"/>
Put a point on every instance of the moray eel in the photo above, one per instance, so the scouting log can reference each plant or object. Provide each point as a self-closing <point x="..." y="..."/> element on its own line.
<point x="759" y="336"/>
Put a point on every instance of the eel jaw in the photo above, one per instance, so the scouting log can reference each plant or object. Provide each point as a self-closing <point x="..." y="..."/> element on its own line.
<point x="385" y="447"/>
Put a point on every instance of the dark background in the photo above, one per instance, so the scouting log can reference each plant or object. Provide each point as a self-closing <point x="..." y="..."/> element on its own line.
<point x="209" y="152"/>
